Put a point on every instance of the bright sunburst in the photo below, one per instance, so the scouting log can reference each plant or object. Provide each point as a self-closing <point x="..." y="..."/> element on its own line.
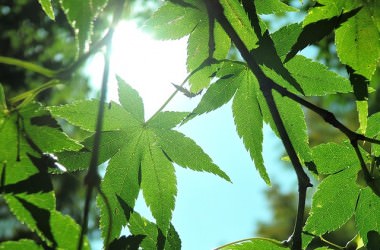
<point x="148" y="65"/>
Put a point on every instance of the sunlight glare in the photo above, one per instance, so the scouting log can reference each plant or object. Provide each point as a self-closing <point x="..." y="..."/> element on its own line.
<point x="148" y="65"/>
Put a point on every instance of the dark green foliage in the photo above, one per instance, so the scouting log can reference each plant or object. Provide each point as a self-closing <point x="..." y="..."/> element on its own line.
<point x="272" y="84"/>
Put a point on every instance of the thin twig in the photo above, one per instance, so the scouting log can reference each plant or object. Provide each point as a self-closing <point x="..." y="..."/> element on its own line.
<point x="92" y="178"/>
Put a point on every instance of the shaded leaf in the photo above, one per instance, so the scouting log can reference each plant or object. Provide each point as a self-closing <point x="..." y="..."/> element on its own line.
<point x="111" y="142"/>
<point x="294" y="121"/>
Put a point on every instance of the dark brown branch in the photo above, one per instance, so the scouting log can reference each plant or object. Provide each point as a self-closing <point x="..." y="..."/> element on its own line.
<point x="266" y="86"/>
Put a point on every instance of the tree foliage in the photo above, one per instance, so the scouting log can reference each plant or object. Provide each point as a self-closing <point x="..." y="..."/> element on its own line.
<point x="268" y="83"/>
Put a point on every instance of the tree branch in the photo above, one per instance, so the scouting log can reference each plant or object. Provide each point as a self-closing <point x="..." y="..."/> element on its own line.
<point x="266" y="86"/>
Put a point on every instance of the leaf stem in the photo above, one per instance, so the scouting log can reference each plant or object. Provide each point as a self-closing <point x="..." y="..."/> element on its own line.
<point x="92" y="178"/>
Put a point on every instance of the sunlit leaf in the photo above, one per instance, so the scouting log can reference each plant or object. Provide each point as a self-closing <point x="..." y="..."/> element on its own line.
<point x="186" y="153"/>
<point x="21" y="244"/>
<point x="130" y="100"/>
<point x="367" y="216"/>
<point x="46" y="6"/>
<point x="273" y="7"/>
<point x="331" y="158"/>
<point x="158" y="184"/>
<point x="314" y="78"/>
<point x="358" y="43"/>
<point x="334" y="202"/>
<point x="249" y="122"/>
<point x="256" y="243"/>
<point x="174" y="21"/>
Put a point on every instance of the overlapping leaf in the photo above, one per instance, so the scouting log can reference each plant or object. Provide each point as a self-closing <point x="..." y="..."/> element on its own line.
<point x="342" y="194"/>
<point x="81" y="15"/>
<point x="334" y="202"/>
<point x="358" y="40"/>
<point x="25" y="182"/>
<point x="152" y="239"/>
<point x="325" y="24"/>
<point x="236" y="81"/>
<point x="176" y="19"/>
<point x="140" y="159"/>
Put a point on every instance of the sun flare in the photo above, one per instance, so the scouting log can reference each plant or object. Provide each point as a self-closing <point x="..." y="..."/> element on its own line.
<point x="148" y="65"/>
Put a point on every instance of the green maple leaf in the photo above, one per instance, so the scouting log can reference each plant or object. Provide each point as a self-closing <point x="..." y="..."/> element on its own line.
<point x="138" y="225"/>
<point x="141" y="157"/>
<point x="236" y="81"/>
<point x="176" y="19"/>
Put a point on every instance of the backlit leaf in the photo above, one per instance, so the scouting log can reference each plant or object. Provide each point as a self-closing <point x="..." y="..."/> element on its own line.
<point x="331" y="158"/>
<point x="121" y="186"/>
<point x="174" y="21"/>
<point x="367" y="215"/>
<point x="315" y="79"/>
<point x="48" y="9"/>
<point x="249" y="122"/>
<point x="240" y="22"/>
<point x="358" y="43"/>
<point x="334" y="202"/>
<point x="21" y="244"/>
<point x="273" y="7"/>
<point x="186" y="153"/>
<point x="81" y="15"/>
<point x="130" y="100"/>
<point x="256" y="243"/>
<point x="158" y="184"/>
